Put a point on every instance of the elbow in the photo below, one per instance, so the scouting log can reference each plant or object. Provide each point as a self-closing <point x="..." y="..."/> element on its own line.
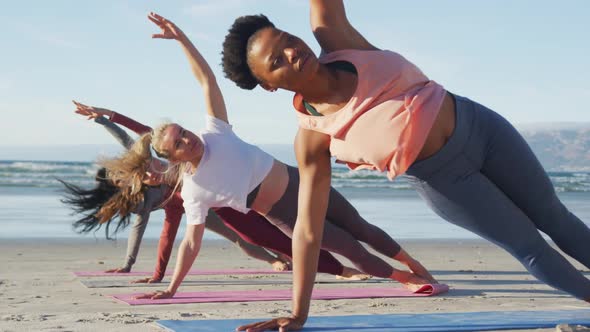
<point x="190" y="244"/>
<point x="307" y="236"/>
<point x="192" y="239"/>
<point x="208" y="82"/>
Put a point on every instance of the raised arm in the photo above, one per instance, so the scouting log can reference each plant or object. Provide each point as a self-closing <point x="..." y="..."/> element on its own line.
<point x="331" y="27"/>
<point x="93" y="112"/>
<point x="99" y="116"/>
<point x="313" y="158"/>
<point x="129" y="123"/>
<point x="214" y="102"/>
<point x="118" y="133"/>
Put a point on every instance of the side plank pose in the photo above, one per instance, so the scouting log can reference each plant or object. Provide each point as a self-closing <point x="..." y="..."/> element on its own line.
<point x="254" y="229"/>
<point x="259" y="183"/>
<point x="154" y="193"/>
<point x="372" y="108"/>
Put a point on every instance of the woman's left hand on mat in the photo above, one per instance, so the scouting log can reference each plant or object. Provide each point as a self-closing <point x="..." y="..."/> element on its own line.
<point x="156" y="295"/>
<point x="282" y="324"/>
<point x="118" y="270"/>
<point x="148" y="280"/>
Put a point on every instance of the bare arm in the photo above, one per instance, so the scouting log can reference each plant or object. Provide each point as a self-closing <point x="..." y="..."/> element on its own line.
<point x="332" y="29"/>
<point x="313" y="158"/>
<point x="214" y="102"/>
<point x="187" y="253"/>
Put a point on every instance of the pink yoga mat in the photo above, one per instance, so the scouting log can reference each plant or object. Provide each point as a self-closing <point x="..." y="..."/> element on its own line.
<point x="192" y="272"/>
<point x="284" y="294"/>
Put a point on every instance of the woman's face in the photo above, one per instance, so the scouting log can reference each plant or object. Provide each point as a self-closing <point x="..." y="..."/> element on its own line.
<point x="181" y="144"/>
<point x="280" y="60"/>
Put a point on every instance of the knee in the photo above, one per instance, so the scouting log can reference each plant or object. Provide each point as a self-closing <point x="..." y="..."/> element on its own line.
<point x="551" y="216"/>
<point x="367" y="231"/>
<point x="529" y="252"/>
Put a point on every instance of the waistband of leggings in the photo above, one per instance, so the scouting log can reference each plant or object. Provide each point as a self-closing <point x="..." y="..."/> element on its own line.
<point x="252" y="196"/>
<point x="464" y="117"/>
<point x="293" y="174"/>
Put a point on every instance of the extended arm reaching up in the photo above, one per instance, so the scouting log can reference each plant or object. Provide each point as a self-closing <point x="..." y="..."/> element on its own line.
<point x="215" y="104"/>
<point x="331" y="27"/>
<point x="96" y="113"/>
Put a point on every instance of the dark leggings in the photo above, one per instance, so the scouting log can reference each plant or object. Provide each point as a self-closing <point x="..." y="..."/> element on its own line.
<point x="255" y="229"/>
<point x="487" y="180"/>
<point x="344" y="229"/>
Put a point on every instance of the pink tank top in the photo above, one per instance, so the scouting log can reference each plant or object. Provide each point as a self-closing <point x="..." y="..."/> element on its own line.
<point x="386" y="122"/>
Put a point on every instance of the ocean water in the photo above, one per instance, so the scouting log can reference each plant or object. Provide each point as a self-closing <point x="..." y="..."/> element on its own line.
<point x="30" y="204"/>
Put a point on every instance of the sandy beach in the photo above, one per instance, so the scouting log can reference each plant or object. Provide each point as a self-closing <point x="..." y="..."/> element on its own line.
<point x="40" y="293"/>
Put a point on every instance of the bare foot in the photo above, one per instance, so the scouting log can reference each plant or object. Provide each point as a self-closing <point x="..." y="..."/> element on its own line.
<point x="283" y="257"/>
<point x="148" y="280"/>
<point x="280" y="266"/>
<point x="348" y="273"/>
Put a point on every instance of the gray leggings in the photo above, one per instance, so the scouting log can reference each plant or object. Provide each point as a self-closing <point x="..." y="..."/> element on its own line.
<point x="487" y="180"/>
<point x="343" y="230"/>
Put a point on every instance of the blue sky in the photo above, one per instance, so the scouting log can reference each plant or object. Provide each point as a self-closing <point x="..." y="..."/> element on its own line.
<point x="528" y="60"/>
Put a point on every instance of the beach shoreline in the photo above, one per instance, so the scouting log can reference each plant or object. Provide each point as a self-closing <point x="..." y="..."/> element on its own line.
<point x="41" y="293"/>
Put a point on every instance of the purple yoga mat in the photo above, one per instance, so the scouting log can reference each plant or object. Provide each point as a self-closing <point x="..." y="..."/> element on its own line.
<point x="284" y="294"/>
<point x="192" y="272"/>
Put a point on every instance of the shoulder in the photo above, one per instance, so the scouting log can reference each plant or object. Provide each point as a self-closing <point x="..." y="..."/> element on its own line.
<point x="310" y="142"/>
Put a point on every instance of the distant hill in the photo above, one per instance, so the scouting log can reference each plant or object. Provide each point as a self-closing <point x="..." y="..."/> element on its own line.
<point x="559" y="146"/>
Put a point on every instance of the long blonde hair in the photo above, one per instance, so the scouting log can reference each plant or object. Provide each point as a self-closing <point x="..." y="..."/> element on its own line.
<point x="121" y="203"/>
<point x="127" y="171"/>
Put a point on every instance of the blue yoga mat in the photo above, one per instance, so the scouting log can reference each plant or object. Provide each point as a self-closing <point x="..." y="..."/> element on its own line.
<point x="461" y="321"/>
